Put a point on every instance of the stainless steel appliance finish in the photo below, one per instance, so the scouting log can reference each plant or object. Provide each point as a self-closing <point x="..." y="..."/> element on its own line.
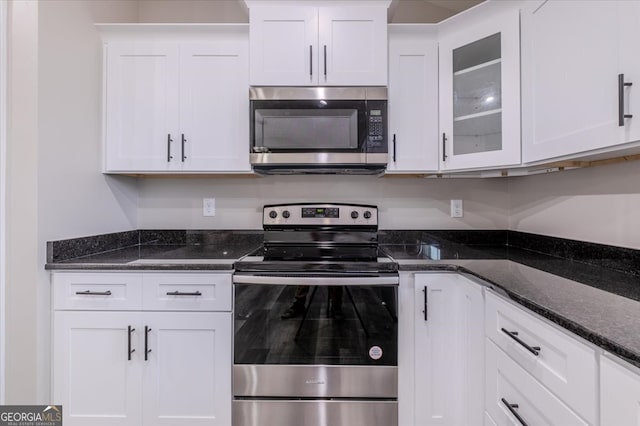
<point x="324" y="381"/>
<point x="315" y="321"/>
<point x="314" y="413"/>
<point x="318" y="130"/>
<point x="317" y="93"/>
<point x="328" y="279"/>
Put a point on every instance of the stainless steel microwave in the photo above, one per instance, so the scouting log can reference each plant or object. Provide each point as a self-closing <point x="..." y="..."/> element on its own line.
<point x="319" y="130"/>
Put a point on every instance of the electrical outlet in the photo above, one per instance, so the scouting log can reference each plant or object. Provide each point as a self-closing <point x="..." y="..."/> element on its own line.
<point x="456" y="208"/>
<point x="208" y="207"/>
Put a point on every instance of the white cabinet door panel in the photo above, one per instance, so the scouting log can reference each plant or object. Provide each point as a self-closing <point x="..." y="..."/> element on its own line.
<point x="569" y="78"/>
<point x="188" y="372"/>
<point x="480" y="93"/>
<point x="619" y="395"/>
<point x="355" y="39"/>
<point x="629" y="12"/>
<point x="92" y="376"/>
<point x="141" y="106"/>
<point x="437" y="351"/>
<point x="214" y="104"/>
<point x="284" y="44"/>
<point x="413" y="105"/>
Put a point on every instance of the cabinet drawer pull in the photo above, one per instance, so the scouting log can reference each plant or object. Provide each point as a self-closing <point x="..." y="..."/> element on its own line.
<point x="425" y="290"/>
<point x="146" y="342"/>
<point x="621" y="86"/>
<point x="514" y="335"/>
<point x="169" y="140"/>
<point x="129" y="350"/>
<point x="184" y="157"/>
<point x="181" y="293"/>
<point x="512" y="408"/>
<point x="94" y="293"/>
<point x="311" y="61"/>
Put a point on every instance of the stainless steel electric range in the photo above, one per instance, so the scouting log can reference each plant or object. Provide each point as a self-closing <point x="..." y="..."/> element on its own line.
<point x="315" y="321"/>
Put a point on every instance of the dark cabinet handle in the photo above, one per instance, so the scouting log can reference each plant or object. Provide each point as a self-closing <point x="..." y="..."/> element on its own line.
<point x="146" y="342"/>
<point x="94" y="293"/>
<point x="325" y="61"/>
<point x="180" y="293"/>
<point x="514" y="335"/>
<point x="129" y="350"/>
<point x="425" y="290"/>
<point x="621" y="86"/>
<point x="444" y="147"/>
<point x="184" y="157"/>
<point x="512" y="408"/>
<point x="394" y="147"/>
<point x="169" y="140"/>
<point x="310" y="61"/>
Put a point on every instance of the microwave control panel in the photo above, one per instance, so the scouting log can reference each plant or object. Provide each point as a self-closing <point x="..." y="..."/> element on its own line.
<point x="377" y="126"/>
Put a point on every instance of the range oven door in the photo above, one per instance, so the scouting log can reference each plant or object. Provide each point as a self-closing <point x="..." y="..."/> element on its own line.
<point x="322" y="348"/>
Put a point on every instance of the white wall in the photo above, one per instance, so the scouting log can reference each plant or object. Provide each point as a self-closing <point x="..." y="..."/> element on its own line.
<point x="54" y="186"/>
<point x="405" y="203"/>
<point x="22" y="216"/>
<point x="190" y="11"/>
<point x="599" y="204"/>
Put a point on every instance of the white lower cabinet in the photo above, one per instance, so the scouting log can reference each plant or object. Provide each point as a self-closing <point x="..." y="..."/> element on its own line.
<point x="448" y="350"/>
<point x="93" y="377"/>
<point x="565" y="366"/>
<point x="619" y="394"/>
<point x="513" y="397"/>
<point x="141" y="367"/>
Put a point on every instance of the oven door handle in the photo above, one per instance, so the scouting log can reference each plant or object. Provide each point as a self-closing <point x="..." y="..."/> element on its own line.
<point x="315" y="280"/>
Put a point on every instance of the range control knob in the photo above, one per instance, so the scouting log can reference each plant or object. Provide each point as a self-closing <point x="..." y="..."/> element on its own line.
<point x="286" y="214"/>
<point x="367" y="214"/>
<point x="354" y="214"/>
<point x="273" y="214"/>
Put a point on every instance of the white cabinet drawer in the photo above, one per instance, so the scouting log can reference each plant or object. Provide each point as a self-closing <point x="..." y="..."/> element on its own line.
<point x="508" y="384"/>
<point x="565" y="366"/>
<point x="187" y="291"/>
<point x="97" y="291"/>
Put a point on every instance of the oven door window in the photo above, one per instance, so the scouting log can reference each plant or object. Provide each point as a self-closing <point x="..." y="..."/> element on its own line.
<point x="299" y="126"/>
<point x="331" y="325"/>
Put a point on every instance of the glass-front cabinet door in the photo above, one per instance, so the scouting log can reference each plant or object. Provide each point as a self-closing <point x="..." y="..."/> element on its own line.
<point x="480" y="93"/>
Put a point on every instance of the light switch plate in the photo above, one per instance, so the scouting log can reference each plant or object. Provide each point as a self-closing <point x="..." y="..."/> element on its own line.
<point x="456" y="208"/>
<point x="208" y="207"/>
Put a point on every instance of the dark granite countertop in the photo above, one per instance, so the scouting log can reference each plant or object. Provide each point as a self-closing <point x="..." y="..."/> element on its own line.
<point x="153" y="250"/>
<point x="599" y="304"/>
<point x="592" y="291"/>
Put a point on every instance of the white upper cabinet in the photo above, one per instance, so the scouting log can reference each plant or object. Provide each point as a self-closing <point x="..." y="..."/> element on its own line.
<point x="413" y="99"/>
<point x="214" y="106"/>
<point x="141" y="110"/>
<point x="480" y="91"/>
<point x="326" y="46"/>
<point x="573" y="53"/>
<point x="176" y="105"/>
<point x="283" y="46"/>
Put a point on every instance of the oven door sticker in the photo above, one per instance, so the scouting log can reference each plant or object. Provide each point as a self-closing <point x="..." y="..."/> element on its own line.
<point x="375" y="352"/>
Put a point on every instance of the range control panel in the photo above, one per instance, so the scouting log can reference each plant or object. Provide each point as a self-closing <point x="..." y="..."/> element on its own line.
<point x="320" y="214"/>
